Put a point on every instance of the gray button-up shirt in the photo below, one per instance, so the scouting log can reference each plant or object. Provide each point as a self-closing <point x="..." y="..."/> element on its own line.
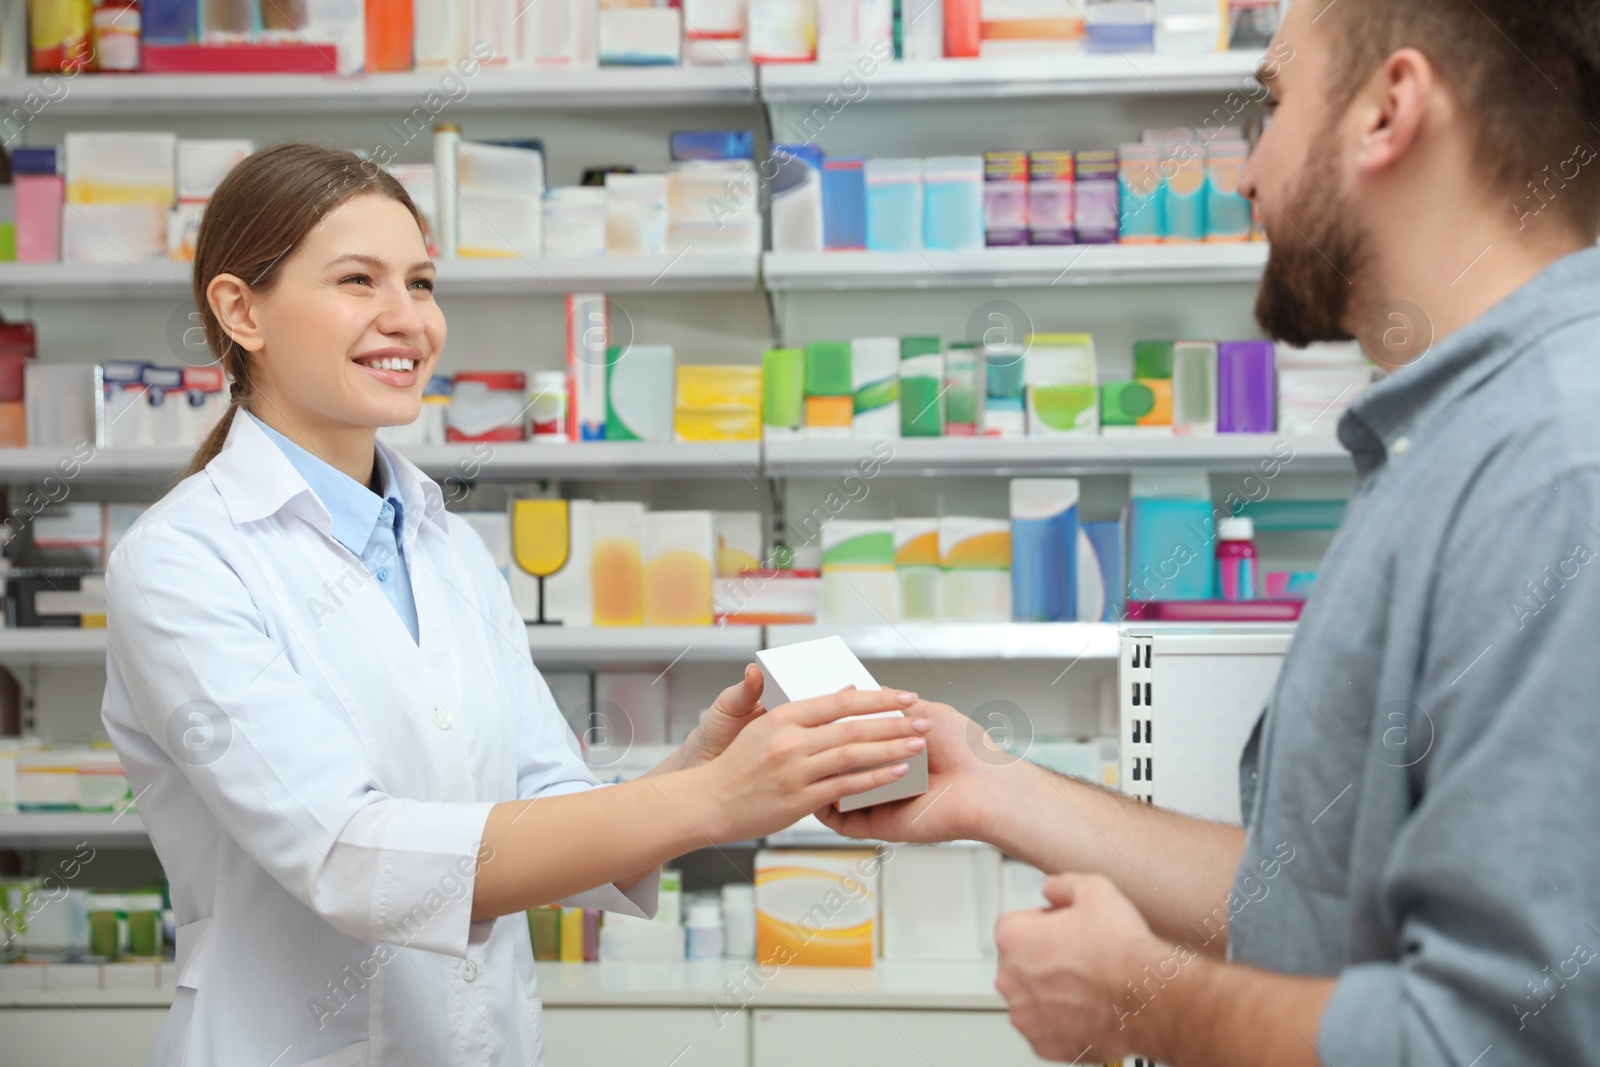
<point x="1430" y="757"/>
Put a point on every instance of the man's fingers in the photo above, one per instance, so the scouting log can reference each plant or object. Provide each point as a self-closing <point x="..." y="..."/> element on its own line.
<point x="846" y="702"/>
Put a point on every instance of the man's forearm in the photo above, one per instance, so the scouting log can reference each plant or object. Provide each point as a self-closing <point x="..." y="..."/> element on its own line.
<point x="1177" y="870"/>
<point x="1214" y="1014"/>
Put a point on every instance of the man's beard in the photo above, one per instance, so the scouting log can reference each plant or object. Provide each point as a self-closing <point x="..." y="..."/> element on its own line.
<point x="1315" y="264"/>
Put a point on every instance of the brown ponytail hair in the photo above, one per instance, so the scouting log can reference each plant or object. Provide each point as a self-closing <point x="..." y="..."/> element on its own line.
<point x="257" y="217"/>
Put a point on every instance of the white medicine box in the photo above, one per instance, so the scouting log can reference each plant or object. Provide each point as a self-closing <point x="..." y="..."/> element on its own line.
<point x="818" y="668"/>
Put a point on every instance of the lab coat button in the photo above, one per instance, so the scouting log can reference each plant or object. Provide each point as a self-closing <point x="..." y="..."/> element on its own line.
<point x="469" y="970"/>
<point x="441" y="718"/>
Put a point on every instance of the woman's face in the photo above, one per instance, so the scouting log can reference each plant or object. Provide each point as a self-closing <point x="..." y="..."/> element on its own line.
<point x="350" y="331"/>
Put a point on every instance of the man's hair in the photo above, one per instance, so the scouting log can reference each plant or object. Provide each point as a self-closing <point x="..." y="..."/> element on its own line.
<point x="1526" y="71"/>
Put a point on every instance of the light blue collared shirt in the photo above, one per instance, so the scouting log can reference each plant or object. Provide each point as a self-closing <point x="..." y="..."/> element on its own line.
<point x="365" y="523"/>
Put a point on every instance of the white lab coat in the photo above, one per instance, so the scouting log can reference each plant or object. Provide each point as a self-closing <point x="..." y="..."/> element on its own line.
<point x="316" y="783"/>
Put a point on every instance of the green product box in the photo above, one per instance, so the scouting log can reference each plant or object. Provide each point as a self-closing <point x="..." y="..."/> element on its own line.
<point x="1152" y="359"/>
<point x="1125" y="403"/>
<point x="783" y="387"/>
<point x="827" y="369"/>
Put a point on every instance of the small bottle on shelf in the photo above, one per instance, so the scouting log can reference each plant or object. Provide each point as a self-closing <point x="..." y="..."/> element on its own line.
<point x="1236" y="558"/>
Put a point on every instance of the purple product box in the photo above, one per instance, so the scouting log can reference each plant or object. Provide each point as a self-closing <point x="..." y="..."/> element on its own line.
<point x="1099" y="198"/>
<point x="1247" y="390"/>
<point x="1005" y="198"/>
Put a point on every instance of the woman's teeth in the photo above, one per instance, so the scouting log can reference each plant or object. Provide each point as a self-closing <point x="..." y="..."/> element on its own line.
<point x="391" y="363"/>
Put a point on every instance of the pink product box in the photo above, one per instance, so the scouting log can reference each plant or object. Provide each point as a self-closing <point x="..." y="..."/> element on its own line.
<point x="39" y="200"/>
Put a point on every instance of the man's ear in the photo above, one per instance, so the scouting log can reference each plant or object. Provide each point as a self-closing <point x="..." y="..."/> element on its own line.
<point x="234" y="305"/>
<point x="1393" y="110"/>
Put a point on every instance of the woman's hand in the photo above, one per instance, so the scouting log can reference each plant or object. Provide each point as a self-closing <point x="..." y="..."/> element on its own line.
<point x="737" y="707"/>
<point x="797" y="758"/>
<point x="964" y="769"/>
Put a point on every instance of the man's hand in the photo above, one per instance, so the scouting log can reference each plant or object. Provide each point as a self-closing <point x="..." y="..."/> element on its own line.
<point x="737" y="707"/>
<point x="1066" y="972"/>
<point x="963" y="765"/>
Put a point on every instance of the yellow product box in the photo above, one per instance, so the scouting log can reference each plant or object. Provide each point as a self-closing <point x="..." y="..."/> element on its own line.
<point x="718" y="403"/>
<point x="817" y="909"/>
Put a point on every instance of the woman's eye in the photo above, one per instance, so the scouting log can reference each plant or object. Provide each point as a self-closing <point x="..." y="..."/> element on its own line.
<point x="359" y="279"/>
<point x="425" y="284"/>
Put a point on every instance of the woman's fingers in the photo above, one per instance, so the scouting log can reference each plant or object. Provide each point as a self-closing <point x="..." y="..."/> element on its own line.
<point x="856" y="731"/>
<point x="870" y="754"/>
<point x="819" y="710"/>
<point x="833" y="790"/>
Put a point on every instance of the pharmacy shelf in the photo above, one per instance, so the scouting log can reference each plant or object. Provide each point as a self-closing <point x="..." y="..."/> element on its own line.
<point x="887" y="985"/>
<point x="1038" y="266"/>
<point x="400" y="95"/>
<point x="686" y="272"/>
<point x="1073" y="454"/>
<point x="68" y="829"/>
<point x="657" y="645"/>
<point x="1010" y="78"/>
<point x="1066" y="641"/>
<point x="50" y="646"/>
<point x="448" y="464"/>
<point x="588" y="460"/>
<point x="552" y="646"/>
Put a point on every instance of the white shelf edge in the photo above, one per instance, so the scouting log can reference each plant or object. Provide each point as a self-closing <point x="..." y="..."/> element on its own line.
<point x="1073" y="453"/>
<point x="67" y="829"/>
<point x="488" y="89"/>
<point x="535" y="276"/>
<point x="1013" y="77"/>
<point x="1034" y="266"/>
<point x="942" y="641"/>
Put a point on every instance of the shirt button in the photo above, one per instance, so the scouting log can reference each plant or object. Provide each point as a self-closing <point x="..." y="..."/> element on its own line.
<point x="385" y="511"/>
<point x="469" y="970"/>
<point x="383" y="574"/>
<point x="441" y="718"/>
<point x="1400" y="445"/>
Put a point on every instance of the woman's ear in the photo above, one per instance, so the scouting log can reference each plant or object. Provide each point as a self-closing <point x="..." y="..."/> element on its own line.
<point x="234" y="305"/>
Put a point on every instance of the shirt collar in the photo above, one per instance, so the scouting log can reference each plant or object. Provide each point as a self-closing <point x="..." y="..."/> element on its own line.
<point x="257" y="476"/>
<point x="353" y="508"/>
<point x="1403" y="402"/>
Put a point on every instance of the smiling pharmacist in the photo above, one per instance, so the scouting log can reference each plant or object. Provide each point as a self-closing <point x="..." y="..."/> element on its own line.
<point x="1417" y="882"/>
<point x="324" y="698"/>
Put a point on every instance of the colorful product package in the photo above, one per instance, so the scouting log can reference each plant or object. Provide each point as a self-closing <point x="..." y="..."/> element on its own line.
<point x="783" y="31"/>
<point x="916" y="569"/>
<point x="1102" y="584"/>
<point x="640" y="36"/>
<point x="558" y="33"/>
<point x="1194" y="388"/>
<point x="1052" y="198"/>
<point x="1005" y="198"/>
<point x="783" y="391"/>
<point x="1247" y="387"/>
<point x="678" y="551"/>
<point x="636" y="214"/>
<point x="844" y="204"/>
<point x="921" y="387"/>
<point x="858" y="577"/>
<point x="1143" y="192"/>
<point x="615" y="563"/>
<point x="1227" y="211"/>
<point x="1171" y="545"/>
<point x="894" y="204"/>
<point x="964" y="388"/>
<point x="1183" y="168"/>
<point x="1059" y="371"/>
<point x="1097" y="195"/>
<point x="718" y="403"/>
<point x="875" y="382"/>
<point x="1005" y="411"/>
<point x="817" y="909"/>
<point x="975" y="555"/>
<point x="830" y="397"/>
<point x="588" y="341"/>
<point x="487" y="406"/>
<point x="1141" y="403"/>
<point x="796" y="198"/>
<point x="640" y="388"/>
<point x="1044" y="549"/>
<point x="953" y="203"/>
